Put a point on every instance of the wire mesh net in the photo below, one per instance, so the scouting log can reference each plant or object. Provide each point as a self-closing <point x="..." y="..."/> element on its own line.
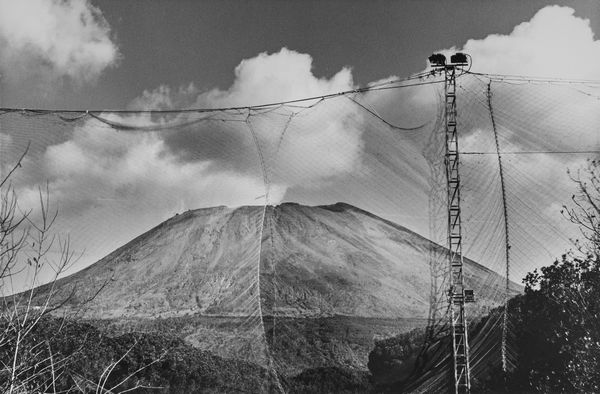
<point x="294" y="236"/>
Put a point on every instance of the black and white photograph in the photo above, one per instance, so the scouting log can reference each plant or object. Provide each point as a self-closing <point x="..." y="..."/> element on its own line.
<point x="286" y="196"/>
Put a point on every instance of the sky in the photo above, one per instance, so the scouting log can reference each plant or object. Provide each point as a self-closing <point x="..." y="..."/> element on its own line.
<point x="155" y="54"/>
<point x="134" y="45"/>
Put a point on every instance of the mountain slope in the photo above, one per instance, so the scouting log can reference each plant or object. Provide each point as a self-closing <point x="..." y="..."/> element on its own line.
<point x="314" y="261"/>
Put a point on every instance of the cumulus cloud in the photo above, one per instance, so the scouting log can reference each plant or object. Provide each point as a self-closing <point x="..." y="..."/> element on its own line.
<point x="325" y="143"/>
<point x="164" y="98"/>
<point x="317" y="145"/>
<point x="98" y="167"/>
<point x="268" y="78"/>
<point x="54" y="39"/>
<point x="554" y="43"/>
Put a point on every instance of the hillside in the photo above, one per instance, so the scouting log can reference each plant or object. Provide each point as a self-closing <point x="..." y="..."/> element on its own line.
<point x="314" y="261"/>
<point x="313" y="287"/>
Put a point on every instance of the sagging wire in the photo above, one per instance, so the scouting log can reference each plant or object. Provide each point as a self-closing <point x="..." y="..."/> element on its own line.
<point x="506" y="231"/>
<point x="73" y="119"/>
<point x="393" y="126"/>
<point x="544" y="152"/>
<point x="533" y="79"/>
<point x="597" y="97"/>
<point x="250" y="110"/>
<point x="155" y="127"/>
<point x="396" y="84"/>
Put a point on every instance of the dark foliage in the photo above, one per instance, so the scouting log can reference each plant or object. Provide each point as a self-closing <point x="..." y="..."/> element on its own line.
<point x="402" y="364"/>
<point x="556" y="330"/>
<point x="330" y="380"/>
<point x="155" y="363"/>
<point x="560" y="334"/>
<point x="393" y="359"/>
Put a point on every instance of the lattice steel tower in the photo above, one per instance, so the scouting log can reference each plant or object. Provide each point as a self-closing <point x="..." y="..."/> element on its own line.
<point x="457" y="294"/>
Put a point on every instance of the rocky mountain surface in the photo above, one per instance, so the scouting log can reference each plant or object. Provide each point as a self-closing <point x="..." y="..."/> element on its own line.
<point x="289" y="286"/>
<point x="304" y="261"/>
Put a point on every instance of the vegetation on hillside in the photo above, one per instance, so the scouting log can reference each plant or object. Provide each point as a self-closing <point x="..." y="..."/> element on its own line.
<point x="558" y="318"/>
<point x="148" y="362"/>
<point x="557" y="329"/>
<point x="155" y="363"/>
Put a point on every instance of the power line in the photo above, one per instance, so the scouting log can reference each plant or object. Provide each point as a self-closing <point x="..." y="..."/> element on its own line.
<point x="526" y="78"/>
<point x="386" y="85"/>
<point x="393" y="126"/>
<point x="394" y="84"/>
<point x="564" y="152"/>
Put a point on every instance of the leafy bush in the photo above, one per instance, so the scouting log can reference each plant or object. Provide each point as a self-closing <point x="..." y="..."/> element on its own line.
<point x="330" y="380"/>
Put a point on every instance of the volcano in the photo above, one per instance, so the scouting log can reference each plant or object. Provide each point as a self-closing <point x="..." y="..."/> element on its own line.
<point x="291" y="285"/>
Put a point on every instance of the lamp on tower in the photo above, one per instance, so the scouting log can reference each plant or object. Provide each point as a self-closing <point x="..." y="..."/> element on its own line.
<point x="459" y="59"/>
<point x="437" y="60"/>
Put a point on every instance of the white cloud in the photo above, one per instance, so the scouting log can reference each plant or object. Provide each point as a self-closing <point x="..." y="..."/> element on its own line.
<point x="99" y="167"/>
<point x="164" y="97"/>
<point x="270" y="78"/>
<point x="315" y="148"/>
<point x="54" y="38"/>
<point x="322" y="143"/>
<point x="554" y="43"/>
